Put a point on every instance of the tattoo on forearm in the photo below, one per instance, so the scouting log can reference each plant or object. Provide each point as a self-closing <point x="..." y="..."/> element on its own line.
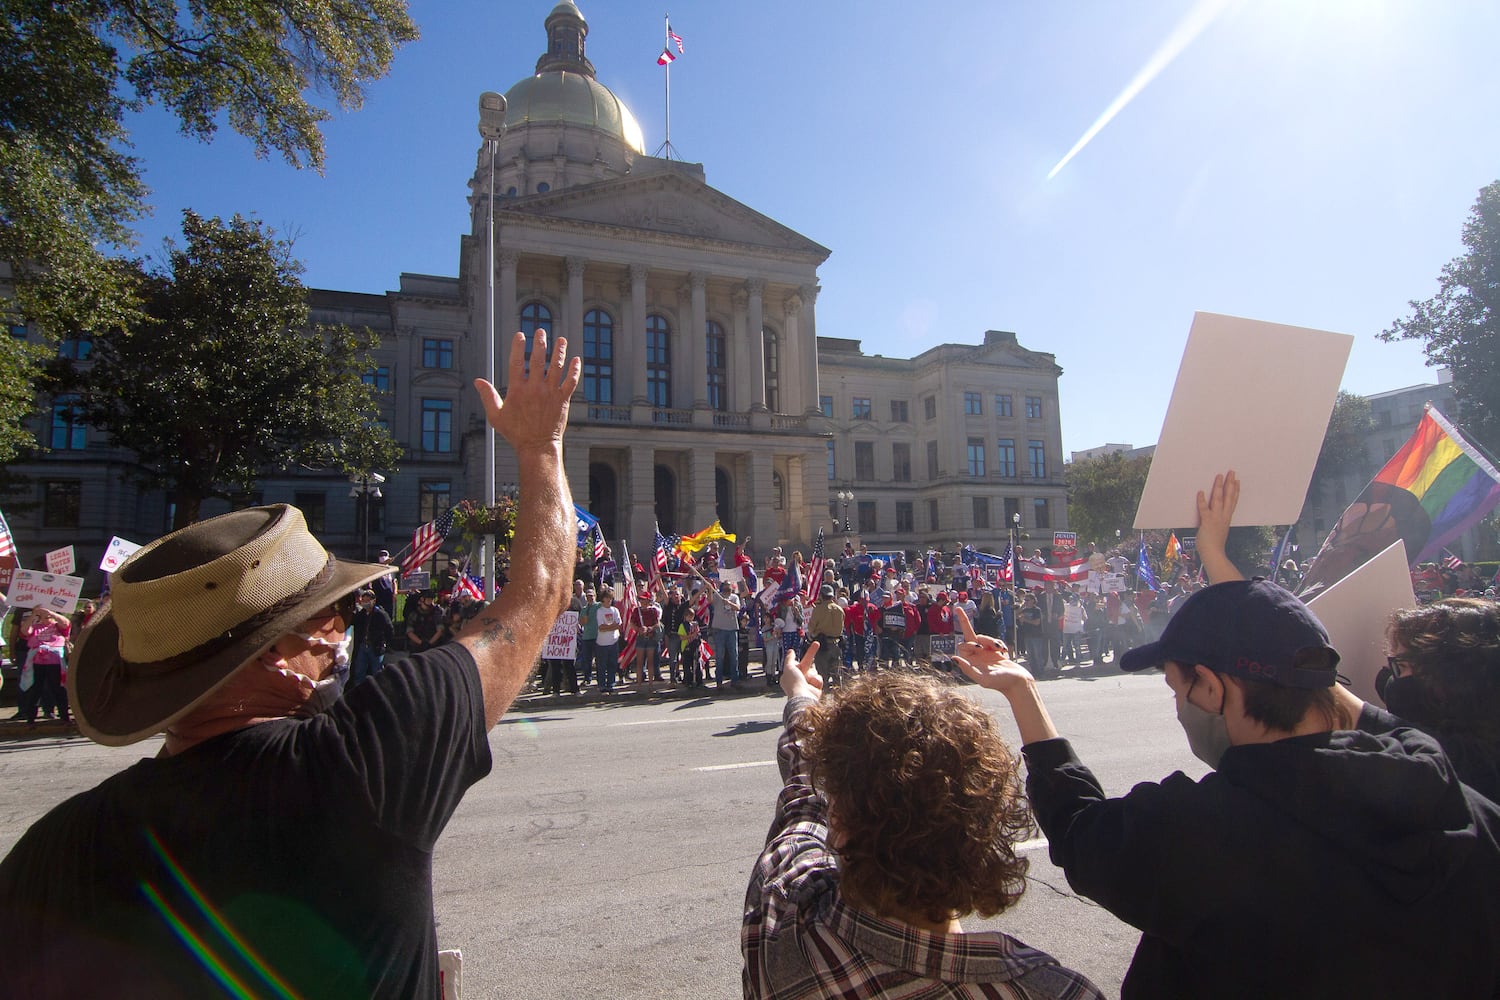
<point x="495" y="631"/>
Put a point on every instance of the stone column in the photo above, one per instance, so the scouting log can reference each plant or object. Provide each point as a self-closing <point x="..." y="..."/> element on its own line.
<point x="790" y="376"/>
<point x="739" y="389"/>
<point x="700" y="512"/>
<point x="507" y="315"/>
<point x="637" y="351"/>
<point x="762" y="497"/>
<point x="576" y="467"/>
<point x="573" y="321"/>
<point x="808" y="365"/>
<point x="755" y="373"/>
<point x="697" y="356"/>
<point x="640" y="499"/>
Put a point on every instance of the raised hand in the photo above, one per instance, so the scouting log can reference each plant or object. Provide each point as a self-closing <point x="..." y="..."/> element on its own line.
<point x="1215" y="511"/>
<point x="801" y="677"/>
<point x="535" y="410"/>
<point x="986" y="660"/>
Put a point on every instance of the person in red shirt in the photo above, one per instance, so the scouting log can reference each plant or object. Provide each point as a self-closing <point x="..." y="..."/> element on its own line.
<point x="854" y="626"/>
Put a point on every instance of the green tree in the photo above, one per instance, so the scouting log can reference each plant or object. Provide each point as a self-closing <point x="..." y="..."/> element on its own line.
<point x="1103" y="494"/>
<point x="222" y="381"/>
<point x="1343" y="449"/>
<point x="1460" y="325"/>
<point x="71" y="72"/>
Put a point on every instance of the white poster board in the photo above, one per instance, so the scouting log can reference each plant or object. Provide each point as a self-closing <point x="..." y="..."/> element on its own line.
<point x="60" y="561"/>
<point x="31" y="588"/>
<point x="116" y="552"/>
<point x="562" y="641"/>
<point x="1355" y="611"/>
<point x="1250" y="396"/>
<point x="733" y="575"/>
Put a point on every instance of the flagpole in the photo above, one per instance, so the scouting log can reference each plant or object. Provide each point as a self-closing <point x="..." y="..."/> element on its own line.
<point x="666" y="149"/>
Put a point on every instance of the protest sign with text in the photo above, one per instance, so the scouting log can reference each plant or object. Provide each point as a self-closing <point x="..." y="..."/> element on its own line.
<point x="60" y="560"/>
<point x="562" y="641"/>
<point x="31" y="588"/>
<point x="116" y="552"/>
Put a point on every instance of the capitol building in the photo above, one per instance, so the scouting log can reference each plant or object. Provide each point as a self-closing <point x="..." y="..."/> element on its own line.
<point x="709" y="389"/>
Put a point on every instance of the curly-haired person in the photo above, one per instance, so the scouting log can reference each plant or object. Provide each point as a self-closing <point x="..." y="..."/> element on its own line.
<point x="1443" y="676"/>
<point x="899" y="815"/>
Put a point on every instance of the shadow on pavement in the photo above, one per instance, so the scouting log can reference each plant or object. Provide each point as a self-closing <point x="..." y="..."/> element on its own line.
<point x="748" y="728"/>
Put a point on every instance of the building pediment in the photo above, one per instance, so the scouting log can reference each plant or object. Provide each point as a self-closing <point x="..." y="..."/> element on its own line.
<point x="667" y="204"/>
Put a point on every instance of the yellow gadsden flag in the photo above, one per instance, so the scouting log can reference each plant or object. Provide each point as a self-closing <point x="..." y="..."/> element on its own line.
<point x="698" y="541"/>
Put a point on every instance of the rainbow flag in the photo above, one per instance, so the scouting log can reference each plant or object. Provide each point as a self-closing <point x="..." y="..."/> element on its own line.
<point x="1435" y="488"/>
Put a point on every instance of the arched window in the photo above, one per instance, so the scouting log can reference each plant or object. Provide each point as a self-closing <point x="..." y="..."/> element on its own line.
<point x="718" y="367"/>
<point x="723" y="498"/>
<point x="778" y="491"/>
<point x="666" y="499"/>
<point x="598" y="357"/>
<point x="773" y="370"/>
<point x="534" y="317"/>
<point x="658" y="361"/>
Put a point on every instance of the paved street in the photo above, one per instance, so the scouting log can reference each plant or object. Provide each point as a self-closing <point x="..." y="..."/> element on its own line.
<point x="607" y="853"/>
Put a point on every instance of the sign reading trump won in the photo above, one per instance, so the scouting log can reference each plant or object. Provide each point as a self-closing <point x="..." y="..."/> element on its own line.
<point x="562" y="641"/>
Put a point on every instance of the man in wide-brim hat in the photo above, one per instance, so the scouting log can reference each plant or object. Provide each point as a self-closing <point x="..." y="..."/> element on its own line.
<point x="281" y="840"/>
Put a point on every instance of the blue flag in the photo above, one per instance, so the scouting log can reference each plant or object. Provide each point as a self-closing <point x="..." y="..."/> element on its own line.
<point x="1143" y="572"/>
<point x="586" y="523"/>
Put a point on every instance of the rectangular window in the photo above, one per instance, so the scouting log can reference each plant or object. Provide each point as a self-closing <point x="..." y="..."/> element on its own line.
<point x="314" y="507"/>
<point x="1043" y="513"/>
<point x="932" y="515"/>
<point x="976" y="456"/>
<point x="825" y="403"/>
<point x="62" y="501"/>
<point x="973" y="404"/>
<point x="18" y="331"/>
<point x="900" y="413"/>
<point x="981" y="512"/>
<point x="906" y="522"/>
<point x="1012" y="508"/>
<point x="833" y="513"/>
<point x="69" y="432"/>
<point x="901" y="462"/>
<point x="864" y="460"/>
<point x="932" y="462"/>
<point x="1037" y="455"/>
<point x="929" y="407"/>
<point x="831" y="474"/>
<point x="861" y="408"/>
<point x="1007" y="466"/>
<point x="1002" y="405"/>
<point x="437" y="425"/>
<point x="76" y="348"/>
<point x="867" y="517"/>
<point x="379" y="377"/>
<point x="433" y="497"/>
<point x="1033" y="407"/>
<point x="437" y="352"/>
<point x="718" y="370"/>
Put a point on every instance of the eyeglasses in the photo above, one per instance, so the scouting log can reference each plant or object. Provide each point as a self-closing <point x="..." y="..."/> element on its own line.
<point x="1400" y="666"/>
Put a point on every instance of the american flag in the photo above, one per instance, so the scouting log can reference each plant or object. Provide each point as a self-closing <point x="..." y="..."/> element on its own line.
<point x="426" y="540"/>
<point x="814" y="580"/>
<point x="675" y="37"/>
<point x="1007" y="561"/>
<point x="659" y="557"/>
<point x="469" y="585"/>
<point x="976" y="574"/>
<point x="1450" y="561"/>
<point x="7" y="543"/>
<point x="627" y="614"/>
<point x="598" y="543"/>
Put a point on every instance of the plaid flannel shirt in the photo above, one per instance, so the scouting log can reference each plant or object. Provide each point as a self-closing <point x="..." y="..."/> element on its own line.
<point x="801" y="940"/>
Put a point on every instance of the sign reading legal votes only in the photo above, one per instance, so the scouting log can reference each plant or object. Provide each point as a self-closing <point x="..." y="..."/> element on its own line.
<point x="60" y="560"/>
<point x="30" y="588"/>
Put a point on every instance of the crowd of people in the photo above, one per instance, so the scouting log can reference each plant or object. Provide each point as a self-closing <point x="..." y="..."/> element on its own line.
<point x="1335" y="848"/>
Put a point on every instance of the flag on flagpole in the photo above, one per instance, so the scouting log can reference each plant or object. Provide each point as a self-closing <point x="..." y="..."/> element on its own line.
<point x="659" y="557"/>
<point x="674" y="37"/>
<point x="586" y="523"/>
<point x="7" y="543"/>
<point x="1451" y="561"/>
<point x="469" y="585"/>
<point x="1143" y="572"/>
<point x="698" y="540"/>
<point x="1431" y="491"/>
<point x="1174" y="552"/>
<point x="815" y="568"/>
<point x="598" y="543"/>
<point x="1007" y="564"/>
<point x="666" y="58"/>
<point x="426" y="540"/>
<point x="627" y="611"/>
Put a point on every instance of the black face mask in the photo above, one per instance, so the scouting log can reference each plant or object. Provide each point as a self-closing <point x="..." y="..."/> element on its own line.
<point x="1406" y="697"/>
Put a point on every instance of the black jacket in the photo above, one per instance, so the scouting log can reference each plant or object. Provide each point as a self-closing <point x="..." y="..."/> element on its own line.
<point x="373" y="630"/>
<point x="1344" y="864"/>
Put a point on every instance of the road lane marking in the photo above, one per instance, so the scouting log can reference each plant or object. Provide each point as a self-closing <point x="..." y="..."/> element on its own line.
<point x="732" y="767"/>
<point x="1031" y="845"/>
<point x="693" y="718"/>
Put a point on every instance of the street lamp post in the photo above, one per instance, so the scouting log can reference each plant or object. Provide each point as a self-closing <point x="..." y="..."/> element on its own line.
<point x="366" y="485"/>
<point x="846" y="497"/>
<point x="491" y="128"/>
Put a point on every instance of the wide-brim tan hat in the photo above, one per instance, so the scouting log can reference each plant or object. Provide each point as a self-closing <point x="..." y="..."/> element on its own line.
<point x="189" y="609"/>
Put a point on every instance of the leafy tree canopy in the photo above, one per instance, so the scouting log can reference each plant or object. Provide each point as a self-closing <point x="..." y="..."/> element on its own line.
<point x="69" y="74"/>
<point x="1103" y="494"/>
<point x="1460" y="325"/>
<point x="222" y="381"/>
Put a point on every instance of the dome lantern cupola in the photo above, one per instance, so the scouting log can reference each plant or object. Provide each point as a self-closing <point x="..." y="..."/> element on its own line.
<point x="566" y="31"/>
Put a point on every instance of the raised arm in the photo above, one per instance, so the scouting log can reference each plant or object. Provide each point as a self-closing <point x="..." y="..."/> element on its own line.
<point x="1215" y="510"/>
<point x="507" y="636"/>
<point x="986" y="660"/>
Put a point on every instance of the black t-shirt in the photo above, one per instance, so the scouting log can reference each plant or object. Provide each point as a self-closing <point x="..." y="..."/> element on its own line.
<point x="299" y="849"/>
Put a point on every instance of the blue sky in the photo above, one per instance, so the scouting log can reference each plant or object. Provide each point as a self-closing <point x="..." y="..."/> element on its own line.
<point x="1308" y="162"/>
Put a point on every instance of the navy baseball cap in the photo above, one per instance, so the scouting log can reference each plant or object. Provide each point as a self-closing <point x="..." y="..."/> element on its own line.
<point x="1251" y="629"/>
